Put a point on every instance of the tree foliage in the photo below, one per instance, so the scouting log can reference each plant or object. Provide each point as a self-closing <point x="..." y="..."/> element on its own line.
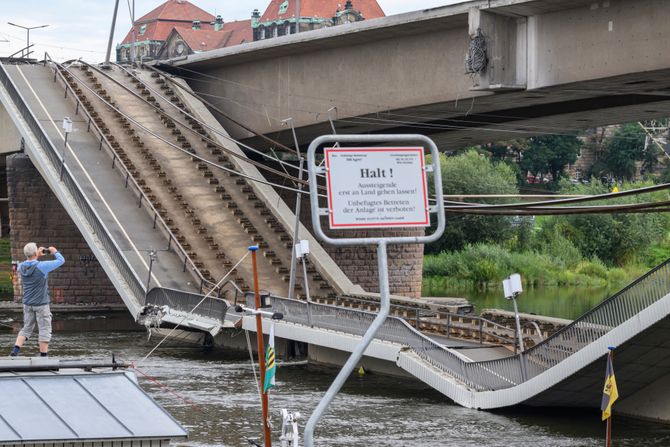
<point x="471" y="173"/>
<point x="550" y="154"/>
<point x="614" y="238"/>
<point x="625" y="148"/>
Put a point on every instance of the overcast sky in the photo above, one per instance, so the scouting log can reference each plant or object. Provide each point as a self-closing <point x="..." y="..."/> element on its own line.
<point x="80" y="28"/>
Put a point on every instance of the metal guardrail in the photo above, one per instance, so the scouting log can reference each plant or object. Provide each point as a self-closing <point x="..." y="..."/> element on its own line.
<point x="420" y="316"/>
<point x="130" y="180"/>
<point x="491" y="374"/>
<point x="74" y="189"/>
<point x="214" y="308"/>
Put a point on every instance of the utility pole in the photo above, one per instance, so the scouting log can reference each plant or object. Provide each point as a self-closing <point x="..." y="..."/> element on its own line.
<point x="297" y="16"/>
<point x="27" y="28"/>
<point x="111" y="35"/>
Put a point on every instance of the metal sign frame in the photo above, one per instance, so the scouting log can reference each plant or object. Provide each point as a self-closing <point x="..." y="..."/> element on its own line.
<point x="317" y="212"/>
<point x="380" y="242"/>
<point x="425" y="210"/>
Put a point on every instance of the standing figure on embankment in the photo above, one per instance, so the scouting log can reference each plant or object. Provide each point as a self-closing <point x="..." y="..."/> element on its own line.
<point x="35" y="280"/>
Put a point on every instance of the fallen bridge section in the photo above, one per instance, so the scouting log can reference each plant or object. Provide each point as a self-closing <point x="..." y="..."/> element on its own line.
<point x="111" y="212"/>
<point x="566" y="369"/>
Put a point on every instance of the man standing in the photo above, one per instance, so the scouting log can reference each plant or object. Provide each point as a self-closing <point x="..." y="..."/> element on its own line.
<point x="34" y="277"/>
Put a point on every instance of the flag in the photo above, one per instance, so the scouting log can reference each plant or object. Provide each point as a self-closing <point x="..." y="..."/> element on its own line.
<point x="270" y="366"/>
<point x="610" y="392"/>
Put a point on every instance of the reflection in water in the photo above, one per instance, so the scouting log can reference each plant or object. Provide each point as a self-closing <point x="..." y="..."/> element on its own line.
<point x="222" y="407"/>
<point x="561" y="302"/>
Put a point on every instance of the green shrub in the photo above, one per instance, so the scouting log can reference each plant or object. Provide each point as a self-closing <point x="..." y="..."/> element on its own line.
<point x="593" y="268"/>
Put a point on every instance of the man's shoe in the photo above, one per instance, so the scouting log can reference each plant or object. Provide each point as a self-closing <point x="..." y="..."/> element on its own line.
<point x="15" y="352"/>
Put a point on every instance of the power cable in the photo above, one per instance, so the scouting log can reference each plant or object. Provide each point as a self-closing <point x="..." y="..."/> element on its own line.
<point x="204" y="160"/>
<point x="209" y="140"/>
<point x="222" y="113"/>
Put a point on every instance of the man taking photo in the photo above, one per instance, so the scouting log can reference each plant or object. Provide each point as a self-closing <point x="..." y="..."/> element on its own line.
<point x="34" y="277"/>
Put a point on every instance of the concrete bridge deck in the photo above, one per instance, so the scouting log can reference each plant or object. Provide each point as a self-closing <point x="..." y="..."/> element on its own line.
<point x="561" y="370"/>
<point x="555" y="66"/>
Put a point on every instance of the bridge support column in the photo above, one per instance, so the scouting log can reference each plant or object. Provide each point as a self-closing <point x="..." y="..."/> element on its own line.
<point x="506" y="43"/>
<point x="405" y="262"/>
<point x="36" y="215"/>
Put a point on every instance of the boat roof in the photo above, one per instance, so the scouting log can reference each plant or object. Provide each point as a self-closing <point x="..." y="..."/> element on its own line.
<point x="50" y="406"/>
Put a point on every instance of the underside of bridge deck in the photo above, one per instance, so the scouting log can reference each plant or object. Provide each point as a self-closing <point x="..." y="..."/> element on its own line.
<point x="553" y="67"/>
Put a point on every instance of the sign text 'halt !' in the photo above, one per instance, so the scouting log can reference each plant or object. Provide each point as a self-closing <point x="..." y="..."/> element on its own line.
<point x="376" y="187"/>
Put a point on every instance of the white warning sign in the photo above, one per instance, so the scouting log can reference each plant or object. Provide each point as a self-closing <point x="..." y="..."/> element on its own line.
<point x="376" y="187"/>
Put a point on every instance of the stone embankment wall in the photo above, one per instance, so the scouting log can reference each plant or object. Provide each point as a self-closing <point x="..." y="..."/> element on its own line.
<point x="548" y="325"/>
<point x="36" y="215"/>
<point x="405" y="262"/>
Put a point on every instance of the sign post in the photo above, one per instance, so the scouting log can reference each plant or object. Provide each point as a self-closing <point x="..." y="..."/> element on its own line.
<point x="372" y="187"/>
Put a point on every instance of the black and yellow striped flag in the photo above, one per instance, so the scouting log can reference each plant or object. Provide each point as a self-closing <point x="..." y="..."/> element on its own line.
<point x="610" y="391"/>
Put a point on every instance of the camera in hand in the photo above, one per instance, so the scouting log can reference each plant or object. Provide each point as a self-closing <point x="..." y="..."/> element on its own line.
<point x="45" y="251"/>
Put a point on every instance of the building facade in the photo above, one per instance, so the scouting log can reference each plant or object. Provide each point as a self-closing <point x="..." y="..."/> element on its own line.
<point x="145" y="39"/>
<point x="182" y="42"/>
<point x="285" y="17"/>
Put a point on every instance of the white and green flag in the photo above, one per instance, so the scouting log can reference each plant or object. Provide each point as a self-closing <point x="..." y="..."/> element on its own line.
<point x="270" y="366"/>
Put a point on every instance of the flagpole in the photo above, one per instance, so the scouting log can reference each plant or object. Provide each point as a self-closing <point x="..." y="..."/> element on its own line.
<point x="608" y="435"/>
<point x="261" y="352"/>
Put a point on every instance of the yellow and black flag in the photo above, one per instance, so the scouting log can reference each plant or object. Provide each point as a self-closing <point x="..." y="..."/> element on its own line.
<point x="610" y="392"/>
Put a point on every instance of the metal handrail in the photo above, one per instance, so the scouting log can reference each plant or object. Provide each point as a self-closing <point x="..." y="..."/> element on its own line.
<point x="481" y="322"/>
<point x="129" y="178"/>
<point x="92" y="218"/>
<point x="118" y="259"/>
<point x="491" y="374"/>
<point x="192" y="303"/>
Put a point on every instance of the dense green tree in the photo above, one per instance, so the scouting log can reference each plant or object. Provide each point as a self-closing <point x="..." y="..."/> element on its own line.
<point x="613" y="238"/>
<point x="472" y="173"/>
<point x="550" y="154"/>
<point x="625" y="148"/>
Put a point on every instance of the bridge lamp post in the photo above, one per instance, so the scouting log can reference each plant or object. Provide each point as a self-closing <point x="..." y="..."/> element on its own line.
<point x="153" y="255"/>
<point x="27" y="28"/>
<point x="67" y="129"/>
<point x="512" y="288"/>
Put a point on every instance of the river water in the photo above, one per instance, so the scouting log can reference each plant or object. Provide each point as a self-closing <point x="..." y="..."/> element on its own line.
<point x="213" y="394"/>
<point x="561" y="302"/>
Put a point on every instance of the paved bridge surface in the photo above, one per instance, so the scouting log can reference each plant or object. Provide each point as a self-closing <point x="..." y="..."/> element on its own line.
<point x="133" y="177"/>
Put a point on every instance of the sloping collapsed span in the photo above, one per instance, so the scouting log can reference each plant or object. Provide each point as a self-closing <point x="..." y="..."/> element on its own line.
<point x="564" y="370"/>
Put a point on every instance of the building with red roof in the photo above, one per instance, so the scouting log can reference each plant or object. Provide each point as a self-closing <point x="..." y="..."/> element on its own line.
<point x="150" y="31"/>
<point x="185" y="41"/>
<point x="284" y="17"/>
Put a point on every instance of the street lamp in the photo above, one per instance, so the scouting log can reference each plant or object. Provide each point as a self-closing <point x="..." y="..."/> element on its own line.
<point x="512" y="288"/>
<point x="27" y="28"/>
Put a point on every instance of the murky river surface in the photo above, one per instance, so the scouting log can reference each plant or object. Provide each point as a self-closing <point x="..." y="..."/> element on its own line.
<point x="370" y="411"/>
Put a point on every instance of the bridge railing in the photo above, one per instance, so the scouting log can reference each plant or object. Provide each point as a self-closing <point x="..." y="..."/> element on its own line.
<point x="491" y="374"/>
<point x="356" y="322"/>
<point x="68" y="181"/>
<point x="212" y="307"/>
<point x="60" y="73"/>
<point x="609" y="314"/>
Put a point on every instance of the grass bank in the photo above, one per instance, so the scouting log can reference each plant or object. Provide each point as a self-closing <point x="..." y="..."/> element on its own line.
<point x="484" y="266"/>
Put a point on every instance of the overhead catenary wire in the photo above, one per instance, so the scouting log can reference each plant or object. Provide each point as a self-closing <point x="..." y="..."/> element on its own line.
<point x="204" y="160"/>
<point x="222" y="113"/>
<point x="162" y="112"/>
<point x="190" y="313"/>
<point x="480" y="209"/>
<point x="562" y="201"/>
